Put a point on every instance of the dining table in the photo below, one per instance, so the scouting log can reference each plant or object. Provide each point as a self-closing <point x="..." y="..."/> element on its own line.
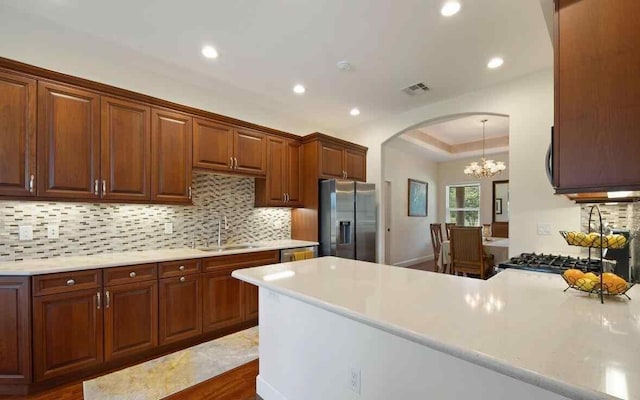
<point x="498" y="247"/>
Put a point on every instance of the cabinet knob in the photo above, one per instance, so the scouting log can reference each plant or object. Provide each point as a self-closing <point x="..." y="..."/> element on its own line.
<point x="132" y="275"/>
<point x="71" y="282"/>
<point x="182" y="279"/>
<point x="181" y="268"/>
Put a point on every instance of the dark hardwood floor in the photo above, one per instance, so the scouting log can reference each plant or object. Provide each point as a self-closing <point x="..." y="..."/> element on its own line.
<point x="237" y="384"/>
<point x="425" y="266"/>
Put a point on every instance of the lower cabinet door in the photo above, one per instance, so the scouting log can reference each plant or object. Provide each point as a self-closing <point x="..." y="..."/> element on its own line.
<point x="250" y="293"/>
<point x="222" y="300"/>
<point x="130" y="319"/>
<point x="180" y="308"/>
<point x="15" y="329"/>
<point x="67" y="333"/>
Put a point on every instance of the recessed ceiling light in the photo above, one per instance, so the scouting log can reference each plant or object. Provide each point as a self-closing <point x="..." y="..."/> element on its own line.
<point x="495" y="62"/>
<point x="299" y="89"/>
<point x="354" y="112"/>
<point x="450" y="8"/>
<point x="209" y="52"/>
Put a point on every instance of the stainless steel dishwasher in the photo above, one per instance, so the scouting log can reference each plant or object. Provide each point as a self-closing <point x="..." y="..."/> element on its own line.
<point x="298" y="253"/>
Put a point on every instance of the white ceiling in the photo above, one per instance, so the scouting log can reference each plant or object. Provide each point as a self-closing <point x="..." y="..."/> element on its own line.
<point x="268" y="46"/>
<point x="454" y="132"/>
<point x="468" y="129"/>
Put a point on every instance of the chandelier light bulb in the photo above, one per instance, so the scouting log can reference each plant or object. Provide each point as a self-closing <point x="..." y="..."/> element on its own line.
<point x="486" y="168"/>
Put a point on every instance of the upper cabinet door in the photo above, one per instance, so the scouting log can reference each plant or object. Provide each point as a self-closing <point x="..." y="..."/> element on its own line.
<point x="597" y="83"/>
<point x="126" y="150"/>
<point x="171" y="156"/>
<point x="68" y="142"/>
<point x="212" y="145"/>
<point x="276" y="157"/>
<point x="331" y="161"/>
<point x="355" y="162"/>
<point x="249" y="148"/>
<point x="17" y="135"/>
<point x="293" y="173"/>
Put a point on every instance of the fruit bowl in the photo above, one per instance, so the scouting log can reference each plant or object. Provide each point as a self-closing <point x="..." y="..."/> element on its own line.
<point x="608" y="285"/>
<point x="595" y="240"/>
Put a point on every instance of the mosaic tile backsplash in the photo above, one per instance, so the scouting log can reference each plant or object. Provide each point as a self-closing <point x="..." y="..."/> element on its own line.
<point x="87" y="229"/>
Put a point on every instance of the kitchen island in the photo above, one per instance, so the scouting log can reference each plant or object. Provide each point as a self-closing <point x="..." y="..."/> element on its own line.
<point x="333" y="328"/>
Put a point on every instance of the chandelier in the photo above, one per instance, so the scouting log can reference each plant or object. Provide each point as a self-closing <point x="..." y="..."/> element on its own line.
<point x="486" y="168"/>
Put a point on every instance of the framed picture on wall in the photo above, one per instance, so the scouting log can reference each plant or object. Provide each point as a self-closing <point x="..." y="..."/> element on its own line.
<point x="418" y="191"/>
<point x="498" y="206"/>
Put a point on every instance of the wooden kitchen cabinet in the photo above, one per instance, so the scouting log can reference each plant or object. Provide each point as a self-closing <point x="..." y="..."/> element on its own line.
<point x="283" y="183"/>
<point x="17" y="135"/>
<point x="67" y="333"/>
<point x="227" y="148"/>
<point x="597" y="107"/>
<point x="126" y="150"/>
<point x="249" y="149"/>
<point x="180" y="308"/>
<point x="212" y="145"/>
<point x="222" y="301"/>
<point x="339" y="162"/>
<point x="250" y="293"/>
<point x="15" y="330"/>
<point x="171" y="154"/>
<point x="68" y="142"/>
<point x="130" y="319"/>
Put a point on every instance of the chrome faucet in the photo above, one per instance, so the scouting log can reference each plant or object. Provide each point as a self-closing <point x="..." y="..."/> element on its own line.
<point x="220" y="226"/>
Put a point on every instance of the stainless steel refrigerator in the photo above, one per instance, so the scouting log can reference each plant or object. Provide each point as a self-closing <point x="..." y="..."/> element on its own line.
<point x="348" y="219"/>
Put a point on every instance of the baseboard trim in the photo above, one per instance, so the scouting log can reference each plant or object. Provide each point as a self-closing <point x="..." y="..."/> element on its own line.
<point x="266" y="391"/>
<point x="414" y="261"/>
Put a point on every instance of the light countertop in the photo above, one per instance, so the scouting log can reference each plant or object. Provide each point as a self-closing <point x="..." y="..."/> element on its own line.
<point x="76" y="263"/>
<point x="518" y="323"/>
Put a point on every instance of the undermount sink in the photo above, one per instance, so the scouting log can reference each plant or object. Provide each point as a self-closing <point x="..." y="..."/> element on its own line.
<point x="230" y="247"/>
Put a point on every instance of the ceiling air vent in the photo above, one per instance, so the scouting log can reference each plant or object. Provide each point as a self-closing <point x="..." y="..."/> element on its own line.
<point x="416" y="89"/>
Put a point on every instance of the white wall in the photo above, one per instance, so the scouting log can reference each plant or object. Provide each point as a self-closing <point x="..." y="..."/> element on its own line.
<point x="43" y="43"/>
<point x="528" y="101"/>
<point x="411" y="240"/>
<point x="451" y="173"/>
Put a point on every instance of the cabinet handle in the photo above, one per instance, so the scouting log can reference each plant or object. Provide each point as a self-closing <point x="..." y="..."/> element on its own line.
<point x="190" y="193"/>
<point x="99" y="300"/>
<point x="230" y="162"/>
<point x="181" y="268"/>
<point x="107" y="299"/>
<point x="71" y="282"/>
<point x="95" y="188"/>
<point x="235" y="160"/>
<point x="284" y="197"/>
<point x="287" y="198"/>
<point x="132" y="275"/>
<point x="346" y="175"/>
<point x="31" y="181"/>
<point x="182" y="279"/>
<point x="104" y="187"/>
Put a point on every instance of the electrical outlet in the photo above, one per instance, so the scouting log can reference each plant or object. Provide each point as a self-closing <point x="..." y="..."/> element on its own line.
<point x="168" y="228"/>
<point x="53" y="231"/>
<point x="25" y="232"/>
<point x="544" y="229"/>
<point x="354" y="380"/>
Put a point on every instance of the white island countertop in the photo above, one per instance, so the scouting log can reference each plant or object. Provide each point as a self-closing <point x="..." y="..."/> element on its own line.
<point x="518" y="323"/>
<point x="106" y="260"/>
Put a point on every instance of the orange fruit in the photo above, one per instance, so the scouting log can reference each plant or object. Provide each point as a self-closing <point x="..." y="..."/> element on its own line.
<point x="572" y="275"/>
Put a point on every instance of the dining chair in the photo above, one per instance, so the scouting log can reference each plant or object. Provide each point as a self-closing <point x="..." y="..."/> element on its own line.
<point x="436" y="242"/>
<point x="447" y="227"/>
<point x="467" y="252"/>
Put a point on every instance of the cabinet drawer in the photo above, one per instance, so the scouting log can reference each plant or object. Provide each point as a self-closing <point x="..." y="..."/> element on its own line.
<point x="236" y="261"/>
<point x="66" y="282"/>
<point x="179" y="268"/>
<point x="130" y="274"/>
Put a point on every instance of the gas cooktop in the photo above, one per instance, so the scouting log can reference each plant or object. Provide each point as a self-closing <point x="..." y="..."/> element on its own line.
<point x="550" y="263"/>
